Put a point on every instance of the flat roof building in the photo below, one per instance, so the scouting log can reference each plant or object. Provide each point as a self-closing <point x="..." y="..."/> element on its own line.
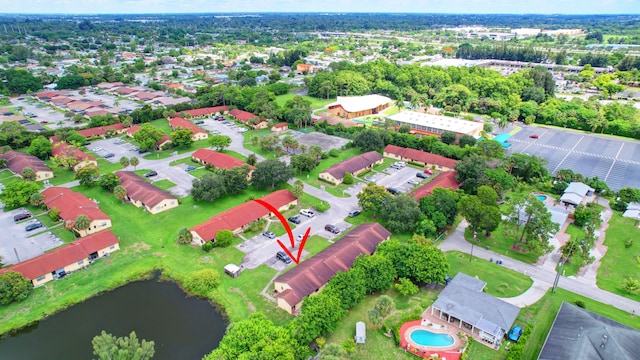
<point x="428" y="124"/>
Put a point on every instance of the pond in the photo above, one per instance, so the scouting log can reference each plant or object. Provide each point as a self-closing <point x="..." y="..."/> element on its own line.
<point x="182" y="327"/>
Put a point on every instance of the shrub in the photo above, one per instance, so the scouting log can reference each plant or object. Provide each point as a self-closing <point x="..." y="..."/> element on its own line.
<point x="348" y="179"/>
<point x="257" y="225"/>
<point x="325" y="155"/>
<point x="207" y="246"/>
<point x="628" y="243"/>
<point x="54" y="214"/>
<point x="334" y="153"/>
<point x="406" y="287"/>
<point x="323" y="206"/>
<point x="580" y="303"/>
<point x="223" y="238"/>
<point x="202" y="282"/>
<point x="184" y="236"/>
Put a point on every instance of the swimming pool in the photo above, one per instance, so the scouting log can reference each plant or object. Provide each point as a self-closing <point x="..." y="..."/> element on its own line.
<point x="542" y="197"/>
<point x="427" y="338"/>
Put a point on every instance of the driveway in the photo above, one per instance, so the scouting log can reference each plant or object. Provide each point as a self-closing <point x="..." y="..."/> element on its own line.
<point x="397" y="178"/>
<point x="18" y="245"/>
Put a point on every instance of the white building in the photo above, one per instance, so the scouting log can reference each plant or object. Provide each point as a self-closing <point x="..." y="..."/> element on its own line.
<point x="427" y="124"/>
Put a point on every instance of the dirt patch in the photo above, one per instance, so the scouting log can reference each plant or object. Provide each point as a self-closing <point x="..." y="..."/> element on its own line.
<point x="137" y="247"/>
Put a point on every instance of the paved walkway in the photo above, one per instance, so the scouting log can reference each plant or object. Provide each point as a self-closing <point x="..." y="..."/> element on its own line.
<point x="543" y="278"/>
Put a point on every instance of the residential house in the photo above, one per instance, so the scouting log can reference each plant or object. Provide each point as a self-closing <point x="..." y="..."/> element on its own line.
<point x="464" y="304"/>
<point x="64" y="260"/>
<point x="350" y="107"/>
<point x="146" y="195"/>
<point x="427" y="159"/>
<point x="80" y="158"/>
<point x="18" y="161"/>
<point x="198" y="133"/>
<point x="167" y="100"/>
<point x="305" y="69"/>
<point x="103" y="130"/>
<point x="633" y="211"/>
<point x="354" y="165"/>
<point x="71" y="205"/>
<point x="445" y="180"/>
<point x="208" y="111"/>
<point x="237" y="219"/>
<point x="311" y="275"/>
<point x="280" y="127"/>
<point x="428" y="124"/>
<point x="247" y="117"/>
<point x="164" y="142"/>
<point x="217" y="159"/>
<point x="578" y="334"/>
<point x="576" y="193"/>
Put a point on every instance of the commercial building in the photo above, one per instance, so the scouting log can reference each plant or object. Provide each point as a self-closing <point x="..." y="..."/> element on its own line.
<point x="350" y="107"/>
<point x="428" y="124"/>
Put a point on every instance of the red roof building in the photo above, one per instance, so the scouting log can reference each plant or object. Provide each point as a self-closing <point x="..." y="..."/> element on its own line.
<point x="354" y="166"/>
<point x="311" y="275"/>
<point x="18" y="161"/>
<point x="102" y="130"/>
<point x="72" y="204"/>
<point x="418" y="156"/>
<point x="238" y="218"/>
<point x="143" y="194"/>
<point x="66" y="150"/>
<point x="63" y="260"/>
<point x="198" y="133"/>
<point x="445" y="180"/>
<point x="207" y="111"/>
<point x="242" y="115"/>
<point x="216" y="159"/>
<point x="132" y="130"/>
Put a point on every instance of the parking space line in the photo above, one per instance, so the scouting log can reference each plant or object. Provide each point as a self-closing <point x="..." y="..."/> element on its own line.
<point x="619" y="150"/>
<point x="610" y="168"/>
<point x="574" y="146"/>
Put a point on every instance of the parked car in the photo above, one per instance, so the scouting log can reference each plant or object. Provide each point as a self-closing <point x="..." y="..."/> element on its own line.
<point x="354" y="213"/>
<point x="533" y="136"/>
<point x="295" y="219"/>
<point x="307" y="213"/>
<point x="199" y="122"/>
<point x="369" y="179"/>
<point x="299" y="237"/>
<point x="189" y="168"/>
<point x="108" y="155"/>
<point x="422" y="175"/>
<point x="413" y="182"/>
<point x="427" y="171"/>
<point x="241" y="130"/>
<point x="393" y="191"/>
<point x="269" y="234"/>
<point x="515" y="333"/>
<point x="398" y="165"/>
<point x="332" y="229"/>
<point x="142" y="151"/>
<point x="282" y="256"/>
<point x="20" y="217"/>
<point x="151" y="174"/>
<point x="34" y="226"/>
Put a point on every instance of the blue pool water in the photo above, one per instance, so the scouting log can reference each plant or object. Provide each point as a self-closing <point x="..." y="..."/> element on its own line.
<point x="542" y="197"/>
<point x="427" y="338"/>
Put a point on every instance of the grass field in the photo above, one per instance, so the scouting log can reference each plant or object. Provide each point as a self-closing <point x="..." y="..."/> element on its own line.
<point x="501" y="282"/>
<point x="501" y="241"/>
<point x="620" y="262"/>
<point x="571" y="268"/>
<point x="315" y="102"/>
<point x="312" y="177"/>
<point x="164" y="184"/>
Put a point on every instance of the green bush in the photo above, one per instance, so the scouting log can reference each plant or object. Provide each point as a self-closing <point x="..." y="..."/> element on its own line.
<point x="223" y="238"/>
<point x="54" y="214"/>
<point x="334" y="153"/>
<point x="207" y="246"/>
<point x="347" y="179"/>
<point x="628" y="243"/>
<point x="517" y="350"/>
<point x="580" y="303"/>
<point x="325" y="155"/>
<point x="323" y="206"/>
<point x="202" y="282"/>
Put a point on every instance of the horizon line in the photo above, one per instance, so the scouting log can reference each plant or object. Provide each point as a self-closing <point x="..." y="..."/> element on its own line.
<point x="316" y="12"/>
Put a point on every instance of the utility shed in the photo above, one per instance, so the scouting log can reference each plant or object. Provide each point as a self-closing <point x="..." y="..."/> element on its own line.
<point x="232" y="270"/>
<point x="361" y="333"/>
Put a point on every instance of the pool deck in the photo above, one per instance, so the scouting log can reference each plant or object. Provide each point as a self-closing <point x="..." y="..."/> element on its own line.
<point x="450" y="352"/>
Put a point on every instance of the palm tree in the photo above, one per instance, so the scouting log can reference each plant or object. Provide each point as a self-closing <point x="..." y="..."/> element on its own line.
<point x="120" y="192"/>
<point x="124" y="161"/>
<point x="502" y="123"/>
<point x="82" y="222"/>
<point x="134" y="162"/>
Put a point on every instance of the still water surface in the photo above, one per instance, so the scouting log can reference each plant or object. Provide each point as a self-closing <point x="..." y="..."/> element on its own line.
<point x="182" y="327"/>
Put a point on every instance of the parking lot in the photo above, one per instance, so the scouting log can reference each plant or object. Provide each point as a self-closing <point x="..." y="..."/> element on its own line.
<point x="613" y="160"/>
<point x="44" y="115"/>
<point x="116" y="146"/>
<point x="17" y="244"/>
<point x="326" y="142"/>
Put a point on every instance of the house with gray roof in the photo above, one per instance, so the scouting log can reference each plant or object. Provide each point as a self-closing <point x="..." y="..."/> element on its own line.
<point x="354" y="165"/>
<point x="633" y="211"/>
<point x="576" y="193"/>
<point x="463" y="303"/>
<point x="578" y="334"/>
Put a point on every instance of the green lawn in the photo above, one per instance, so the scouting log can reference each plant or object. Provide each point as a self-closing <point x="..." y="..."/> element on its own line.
<point x="501" y="282"/>
<point x="620" y="262"/>
<point x="571" y="268"/>
<point x="255" y="148"/>
<point x="164" y="184"/>
<point x="186" y="160"/>
<point x="312" y="177"/>
<point x="163" y="125"/>
<point x="316" y="103"/>
<point x="501" y="241"/>
<point x="163" y="154"/>
<point x="60" y="176"/>
<point x="7" y="177"/>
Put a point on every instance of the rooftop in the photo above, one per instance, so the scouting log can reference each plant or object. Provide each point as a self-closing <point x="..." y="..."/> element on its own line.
<point x="360" y="103"/>
<point x="444" y="123"/>
<point x="354" y="164"/>
<point x="138" y="189"/>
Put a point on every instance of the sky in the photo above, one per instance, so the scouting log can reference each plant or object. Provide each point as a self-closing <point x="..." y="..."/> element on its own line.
<point x="397" y="6"/>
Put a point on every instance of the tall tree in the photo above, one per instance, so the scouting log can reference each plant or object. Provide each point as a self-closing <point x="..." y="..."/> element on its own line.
<point x="82" y="222"/>
<point x="134" y="161"/>
<point x="368" y="140"/>
<point x="148" y="136"/>
<point x="14" y="287"/>
<point x="182" y="138"/>
<point x="372" y="197"/>
<point x="124" y="161"/>
<point x="40" y="147"/>
<point x="88" y="175"/>
<point x="270" y="173"/>
<point x="109" y="347"/>
<point x="120" y="192"/>
<point x="220" y="142"/>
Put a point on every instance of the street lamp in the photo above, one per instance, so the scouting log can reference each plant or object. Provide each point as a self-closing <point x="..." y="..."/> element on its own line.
<point x="475" y="235"/>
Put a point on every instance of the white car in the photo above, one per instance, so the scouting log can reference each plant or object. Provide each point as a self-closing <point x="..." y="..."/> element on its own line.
<point x="307" y="213"/>
<point x="241" y="130"/>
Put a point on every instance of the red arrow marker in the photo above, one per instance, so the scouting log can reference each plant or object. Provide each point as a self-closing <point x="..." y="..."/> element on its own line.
<point x="288" y="229"/>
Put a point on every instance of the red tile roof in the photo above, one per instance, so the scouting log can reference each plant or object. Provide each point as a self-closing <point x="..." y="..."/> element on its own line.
<point x="421" y="156"/>
<point x="63" y="256"/>
<point x="281" y="125"/>
<point x="146" y="95"/>
<point x="101" y="130"/>
<point x="207" y="110"/>
<point x="17" y="161"/>
<point x="139" y="189"/>
<point x="242" y="115"/>
<point x="64" y="149"/>
<point x="354" y="164"/>
<point x="51" y="94"/>
<point x="133" y="129"/>
<point x="177" y="122"/>
<point x="72" y="204"/>
<point x="241" y="215"/>
<point x="445" y="180"/>
<point x="163" y="140"/>
<point x="96" y="112"/>
<point x="61" y="100"/>
<point x="217" y="159"/>
<point x="316" y="272"/>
